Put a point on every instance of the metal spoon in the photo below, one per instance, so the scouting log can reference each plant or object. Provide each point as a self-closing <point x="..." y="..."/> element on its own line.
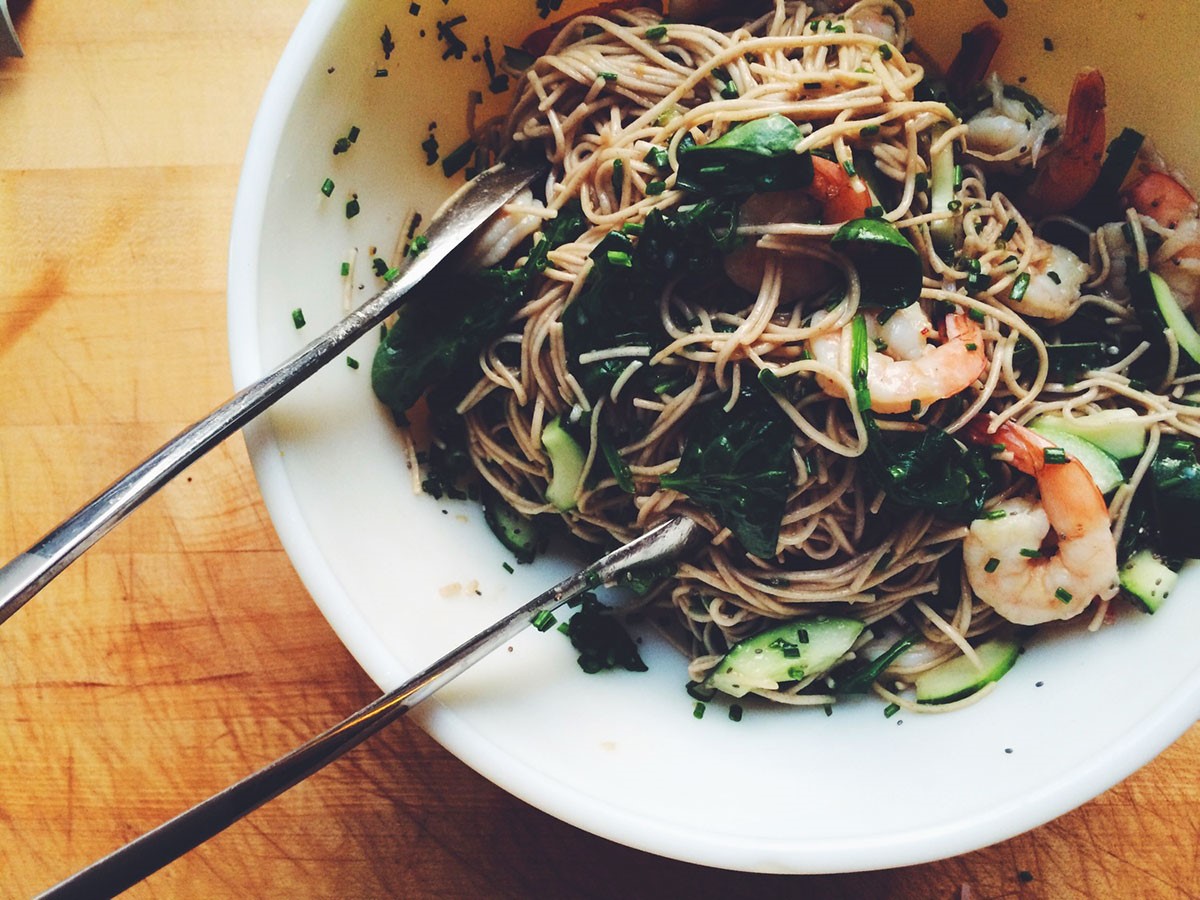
<point x="147" y="854"/>
<point x="28" y="573"/>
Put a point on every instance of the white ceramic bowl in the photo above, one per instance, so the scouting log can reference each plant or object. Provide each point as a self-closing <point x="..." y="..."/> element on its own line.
<point x="621" y="754"/>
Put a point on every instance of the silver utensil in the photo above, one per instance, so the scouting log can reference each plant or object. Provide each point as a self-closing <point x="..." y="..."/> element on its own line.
<point x="469" y="208"/>
<point x="10" y="44"/>
<point x="147" y="854"/>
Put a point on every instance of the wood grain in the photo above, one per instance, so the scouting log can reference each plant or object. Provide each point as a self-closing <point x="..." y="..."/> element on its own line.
<point x="182" y="652"/>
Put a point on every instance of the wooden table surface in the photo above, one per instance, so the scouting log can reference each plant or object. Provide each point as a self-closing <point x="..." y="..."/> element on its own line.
<point x="182" y="652"/>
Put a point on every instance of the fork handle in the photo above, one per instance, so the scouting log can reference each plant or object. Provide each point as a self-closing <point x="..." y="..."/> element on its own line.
<point x="28" y="573"/>
<point x="147" y="854"/>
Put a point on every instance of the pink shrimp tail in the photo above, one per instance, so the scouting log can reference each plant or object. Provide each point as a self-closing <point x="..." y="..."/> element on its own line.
<point x="1071" y="169"/>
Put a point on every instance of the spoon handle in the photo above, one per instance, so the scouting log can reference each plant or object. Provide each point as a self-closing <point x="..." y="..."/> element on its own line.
<point x="147" y="854"/>
<point x="28" y="573"/>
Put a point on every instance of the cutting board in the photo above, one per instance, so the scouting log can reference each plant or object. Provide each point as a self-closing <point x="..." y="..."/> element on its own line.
<point x="182" y="652"/>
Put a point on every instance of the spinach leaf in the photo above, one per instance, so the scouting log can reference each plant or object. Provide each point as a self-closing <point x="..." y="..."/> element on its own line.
<point x="618" y="305"/>
<point x="921" y="470"/>
<point x="1175" y="499"/>
<point x="738" y="466"/>
<point x="754" y="157"/>
<point x="449" y="317"/>
<point x="601" y="640"/>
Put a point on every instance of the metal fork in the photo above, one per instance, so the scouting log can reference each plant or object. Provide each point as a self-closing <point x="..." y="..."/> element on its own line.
<point x="461" y="215"/>
<point x="147" y="854"/>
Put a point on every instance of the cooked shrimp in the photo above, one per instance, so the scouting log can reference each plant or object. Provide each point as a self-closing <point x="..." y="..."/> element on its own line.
<point x="1172" y="206"/>
<point x="907" y="369"/>
<point x="1015" y="128"/>
<point x="1073" y="166"/>
<point x="831" y="197"/>
<point x="1041" y="561"/>
<point x="1056" y="276"/>
<point x="504" y="231"/>
<point x="1008" y="131"/>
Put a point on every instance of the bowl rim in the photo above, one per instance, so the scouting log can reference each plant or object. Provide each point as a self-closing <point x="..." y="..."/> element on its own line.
<point x="1159" y="728"/>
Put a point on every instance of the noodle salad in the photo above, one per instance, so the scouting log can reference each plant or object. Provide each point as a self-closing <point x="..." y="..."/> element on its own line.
<point x="913" y="347"/>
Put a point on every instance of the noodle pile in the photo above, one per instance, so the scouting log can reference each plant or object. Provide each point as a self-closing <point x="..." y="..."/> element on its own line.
<point x="610" y="94"/>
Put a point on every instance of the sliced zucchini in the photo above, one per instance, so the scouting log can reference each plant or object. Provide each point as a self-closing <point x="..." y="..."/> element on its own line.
<point x="788" y="652"/>
<point x="941" y="194"/>
<point x="566" y="465"/>
<point x="1121" y="433"/>
<point x="1157" y="306"/>
<point x="516" y="531"/>
<point x="960" y="677"/>
<point x="1148" y="579"/>
<point x="1103" y="467"/>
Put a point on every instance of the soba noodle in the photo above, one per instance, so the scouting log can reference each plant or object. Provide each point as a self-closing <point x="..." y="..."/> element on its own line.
<point x="615" y="90"/>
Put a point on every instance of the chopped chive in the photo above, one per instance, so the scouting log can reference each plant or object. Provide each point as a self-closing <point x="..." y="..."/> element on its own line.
<point x="954" y="205"/>
<point x="1030" y="554"/>
<point x="379" y="266"/>
<point x="791" y="651"/>
<point x="885" y="51"/>
<point x="1009" y="230"/>
<point x="849" y="167"/>
<point x="459" y="157"/>
<point x="838" y="29"/>
<point x="1047" y="45"/>
<point x="1053" y="276"/>
<point x="381" y="73"/>
<point x="633" y="228"/>
<point x="921" y="182"/>
<point x="341" y="145"/>
<point x="345" y="269"/>
<point x="543" y="620"/>
<point x="869" y="130"/>
<point x="976" y="314"/>
<point x="352" y="207"/>
<point x="972" y="347"/>
<point x="729" y="91"/>
<point x="1054" y="456"/>
<point x="915" y="407"/>
<point x="608" y="76"/>
<point x="656" y="187"/>
<point x="1020" y="286"/>
<point x="995" y="514"/>
<point x="619" y="258"/>
<point x="998" y="7"/>
<point x="770" y="381"/>
<point x="890" y="710"/>
<point x="592" y="30"/>
<point x="812" y="85"/>
<point x="390" y="274"/>
<point x="353" y="133"/>
<point x="351" y="362"/>
<point x="656" y="33"/>
<point x="327" y="187"/>
<point x="802" y="635"/>
<point x="875" y="212"/>
<point x="658" y="157"/>
<point x="828" y="710"/>
<point x="1063" y="594"/>
<point x="991" y="565"/>
<point x="298" y="317"/>
<point x="735" y="712"/>
<point x="998" y="448"/>
<point x="507" y="568"/>
<point x="698" y="710"/>
<point x="418" y="245"/>
<point x="958" y="177"/>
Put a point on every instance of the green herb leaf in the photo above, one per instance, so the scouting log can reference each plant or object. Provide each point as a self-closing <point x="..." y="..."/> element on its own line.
<point x="738" y="466"/>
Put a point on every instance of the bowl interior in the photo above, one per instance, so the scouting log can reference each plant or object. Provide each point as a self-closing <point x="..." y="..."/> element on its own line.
<point x="404" y="578"/>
